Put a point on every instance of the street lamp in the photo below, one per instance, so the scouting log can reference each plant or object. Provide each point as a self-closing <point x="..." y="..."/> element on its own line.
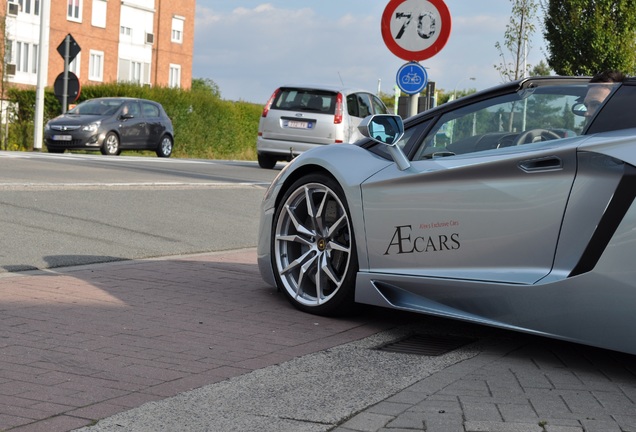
<point x="458" y="83"/>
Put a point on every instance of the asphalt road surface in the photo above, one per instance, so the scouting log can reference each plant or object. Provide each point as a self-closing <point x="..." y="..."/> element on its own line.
<point x="69" y="209"/>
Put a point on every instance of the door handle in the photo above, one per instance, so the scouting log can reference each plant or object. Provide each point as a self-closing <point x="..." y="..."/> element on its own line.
<point x="548" y="163"/>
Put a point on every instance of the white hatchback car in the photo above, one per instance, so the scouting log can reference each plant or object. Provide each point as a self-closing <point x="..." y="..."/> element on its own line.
<point x="298" y="118"/>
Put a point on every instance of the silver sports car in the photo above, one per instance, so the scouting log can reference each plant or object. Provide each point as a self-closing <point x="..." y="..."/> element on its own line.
<point x="513" y="207"/>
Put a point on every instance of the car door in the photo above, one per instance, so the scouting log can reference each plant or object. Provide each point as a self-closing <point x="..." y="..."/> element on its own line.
<point x="472" y="206"/>
<point x="154" y="127"/>
<point x="132" y="127"/>
<point x="358" y="107"/>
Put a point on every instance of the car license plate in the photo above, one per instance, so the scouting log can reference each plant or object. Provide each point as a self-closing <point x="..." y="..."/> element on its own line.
<point x="62" y="138"/>
<point x="298" y="124"/>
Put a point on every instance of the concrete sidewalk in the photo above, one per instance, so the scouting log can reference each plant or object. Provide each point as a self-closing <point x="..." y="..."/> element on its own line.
<point x="200" y="343"/>
<point x="501" y="385"/>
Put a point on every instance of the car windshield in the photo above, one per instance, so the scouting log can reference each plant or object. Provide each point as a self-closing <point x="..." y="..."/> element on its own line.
<point x="97" y="107"/>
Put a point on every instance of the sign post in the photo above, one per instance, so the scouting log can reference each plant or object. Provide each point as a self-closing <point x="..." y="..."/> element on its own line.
<point x="415" y="30"/>
<point x="68" y="49"/>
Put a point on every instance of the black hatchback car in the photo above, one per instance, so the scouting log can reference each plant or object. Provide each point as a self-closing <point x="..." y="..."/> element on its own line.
<point x="111" y="125"/>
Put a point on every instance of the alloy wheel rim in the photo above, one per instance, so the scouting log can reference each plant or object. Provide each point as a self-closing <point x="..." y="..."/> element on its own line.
<point x="111" y="144"/>
<point x="312" y="244"/>
<point x="166" y="146"/>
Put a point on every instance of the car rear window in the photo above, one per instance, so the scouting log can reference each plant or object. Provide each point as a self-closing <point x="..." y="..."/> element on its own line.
<point x="316" y="101"/>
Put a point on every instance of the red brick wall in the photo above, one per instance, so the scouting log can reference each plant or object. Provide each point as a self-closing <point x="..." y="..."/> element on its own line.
<point x="107" y="40"/>
<point x="165" y="51"/>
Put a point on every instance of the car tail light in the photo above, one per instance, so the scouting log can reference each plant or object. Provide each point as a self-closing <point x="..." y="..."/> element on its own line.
<point x="337" y="118"/>
<point x="269" y="103"/>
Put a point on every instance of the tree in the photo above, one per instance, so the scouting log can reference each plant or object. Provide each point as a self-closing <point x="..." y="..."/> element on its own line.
<point x="517" y="40"/>
<point x="541" y="69"/>
<point x="584" y="37"/>
<point x="206" y="85"/>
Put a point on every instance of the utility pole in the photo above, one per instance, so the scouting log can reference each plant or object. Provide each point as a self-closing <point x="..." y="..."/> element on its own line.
<point x="43" y="69"/>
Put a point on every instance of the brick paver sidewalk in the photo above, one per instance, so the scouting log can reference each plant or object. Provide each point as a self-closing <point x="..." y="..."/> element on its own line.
<point x="517" y="384"/>
<point x="80" y="344"/>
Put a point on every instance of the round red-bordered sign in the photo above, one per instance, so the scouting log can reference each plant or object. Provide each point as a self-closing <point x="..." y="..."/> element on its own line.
<point x="416" y="30"/>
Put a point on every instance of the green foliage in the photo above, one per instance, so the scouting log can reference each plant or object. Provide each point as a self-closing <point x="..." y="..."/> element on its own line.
<point x="388" y="99"/>
<point x="443" y="96"/>
<point x="206" y="85"/>
<point x="206" y="127"/>
<point x="22" y="113"/>
<point x="541" y="69"/>
<point x="588" y="36"/>
<point x="517" y="37"/>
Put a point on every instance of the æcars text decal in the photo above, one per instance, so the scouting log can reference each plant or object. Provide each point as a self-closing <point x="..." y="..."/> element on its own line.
<point x="403" y="242"/>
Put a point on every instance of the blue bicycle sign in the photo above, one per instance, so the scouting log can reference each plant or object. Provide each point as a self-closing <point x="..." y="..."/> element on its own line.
<point x="412" y="78"/>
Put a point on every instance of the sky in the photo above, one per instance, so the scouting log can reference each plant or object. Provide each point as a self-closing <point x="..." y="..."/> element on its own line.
<point x="251" y="47"/>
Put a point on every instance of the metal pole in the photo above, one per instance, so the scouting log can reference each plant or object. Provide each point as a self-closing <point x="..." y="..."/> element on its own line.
<point x="43" y="68"/>
<point x="67" y="49"/>
<point x="413" y="100"/>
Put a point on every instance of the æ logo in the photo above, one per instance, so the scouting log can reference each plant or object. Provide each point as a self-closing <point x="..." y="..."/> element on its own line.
<point x="403" y="242"/>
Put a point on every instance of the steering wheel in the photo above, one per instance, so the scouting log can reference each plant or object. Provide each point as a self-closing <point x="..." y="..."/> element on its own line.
<point x="535" y="135"/>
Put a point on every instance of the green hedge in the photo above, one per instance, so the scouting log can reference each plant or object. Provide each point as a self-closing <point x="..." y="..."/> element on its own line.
<point x="206" y="126"/>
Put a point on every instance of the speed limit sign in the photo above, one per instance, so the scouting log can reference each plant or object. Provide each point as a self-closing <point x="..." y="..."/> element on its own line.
<point x="416" y="30"/>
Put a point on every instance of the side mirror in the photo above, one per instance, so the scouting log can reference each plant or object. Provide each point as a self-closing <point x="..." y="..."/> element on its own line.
<point x="579" y="109"/>
<point x="383" y="128"/>
<point x="386" y="129"/>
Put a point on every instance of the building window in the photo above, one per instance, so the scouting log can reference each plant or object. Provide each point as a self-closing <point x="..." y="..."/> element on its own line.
<point x="8" y="51"/>
<point x="25" y="58"/>
<point x="99" y="13"/>
<point x="174" y="79"/>
<point x="133" y="71"/>
<point x="24" y="55"/>
<point x="125" y="31"/>
<point x="177" y="29"/>
<point x="30" y="6"/>
<point x="18" y="56"/>
<point x="96" y="66"/>
<point x="34" y="60"/>
<point x="74" y="10"/>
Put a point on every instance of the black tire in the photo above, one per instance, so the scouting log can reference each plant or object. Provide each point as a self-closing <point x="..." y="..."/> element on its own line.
<point x="165" y="147"/>
<point x="266" y="161"/>
<point x="314" y="257"/>
<point x="110" y="146"/>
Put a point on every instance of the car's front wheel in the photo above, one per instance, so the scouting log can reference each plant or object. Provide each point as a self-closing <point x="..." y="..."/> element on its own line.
<point x="165" y="147"/>
<point x="110" y="147"/>
<point x="313" y="247"/>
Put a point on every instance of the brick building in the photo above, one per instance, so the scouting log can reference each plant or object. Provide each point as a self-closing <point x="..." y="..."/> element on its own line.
<point x="149" y="42"/>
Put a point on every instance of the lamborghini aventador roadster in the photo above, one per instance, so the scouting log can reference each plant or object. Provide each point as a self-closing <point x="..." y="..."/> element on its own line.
<point x="512" y="207"/>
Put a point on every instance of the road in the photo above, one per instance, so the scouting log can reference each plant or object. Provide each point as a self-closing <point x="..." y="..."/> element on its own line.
<point x="70" y="209"/>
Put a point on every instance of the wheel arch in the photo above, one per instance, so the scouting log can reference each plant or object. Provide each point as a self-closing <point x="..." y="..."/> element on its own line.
<point x="112" y="131"/>
<point x="171" y="135"/>
<point x="353" y="196"/>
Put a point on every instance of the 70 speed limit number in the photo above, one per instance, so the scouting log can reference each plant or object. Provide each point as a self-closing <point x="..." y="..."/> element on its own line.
<point x="415" y="30"/>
